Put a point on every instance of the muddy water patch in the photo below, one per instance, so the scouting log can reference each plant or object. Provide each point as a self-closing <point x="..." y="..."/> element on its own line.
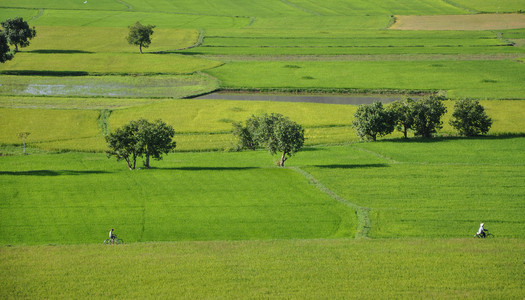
<point x="351" y="100"/>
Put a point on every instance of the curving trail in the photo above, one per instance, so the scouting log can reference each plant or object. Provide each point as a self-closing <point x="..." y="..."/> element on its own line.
<point x="363" y="215"/>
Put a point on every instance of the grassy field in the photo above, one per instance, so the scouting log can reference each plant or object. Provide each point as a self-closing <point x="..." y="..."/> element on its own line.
<point x="306" y="269"/>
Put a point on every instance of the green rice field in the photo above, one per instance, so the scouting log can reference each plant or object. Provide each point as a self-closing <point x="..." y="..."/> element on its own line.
<point x="345" y="219"/>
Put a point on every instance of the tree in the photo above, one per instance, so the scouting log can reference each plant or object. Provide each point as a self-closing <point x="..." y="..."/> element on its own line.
<point x="154" y="139"/>
<point x="373" y="120"/>
<point x="469" y="118"/>
<point x="23" y="136"/>
<point x="402" y="114"/>
<point x="274" y="132"/>
<point x="140" y="35"/>
<point x="141" y="138"/>
<point x="427" y="113"/>
<point x="18" y="32"/>
<point x="123" y="144"/>
<point x="5" y="52"/>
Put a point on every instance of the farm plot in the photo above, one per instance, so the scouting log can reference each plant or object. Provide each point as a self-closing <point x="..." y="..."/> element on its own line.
<point x="480" y="79"/>
<point x="465" y="22"/>
<point x="73" y="198"/>
<point x="159" y="86"/>
<point x="430" y="189"/>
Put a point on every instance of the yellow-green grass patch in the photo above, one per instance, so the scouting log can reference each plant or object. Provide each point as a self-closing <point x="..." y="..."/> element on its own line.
<point x="460" y="22"/>
<point x="71" y="39"/>
<point x="47" y="125"/>
<point x="104" y="63"/>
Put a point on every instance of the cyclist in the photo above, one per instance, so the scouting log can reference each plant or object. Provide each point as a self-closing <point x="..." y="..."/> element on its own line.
<point x="481" y="230"/>
<point x="112" y="236"/>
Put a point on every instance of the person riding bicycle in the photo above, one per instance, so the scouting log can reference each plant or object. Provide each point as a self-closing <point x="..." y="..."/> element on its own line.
<point x="112" y="236"/>
<point x="481" y="230"/>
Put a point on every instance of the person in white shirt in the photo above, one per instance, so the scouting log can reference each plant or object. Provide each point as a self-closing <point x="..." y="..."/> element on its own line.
<point x="481" y="230"/>
<point x="112" y="236"/>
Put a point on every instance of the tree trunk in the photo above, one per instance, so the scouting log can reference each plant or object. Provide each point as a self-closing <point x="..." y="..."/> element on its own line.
<point x="283" y="159"/>
<point x="146" y="164"/>
<point x="405" y="132"/>
<point x="140" y="48"/>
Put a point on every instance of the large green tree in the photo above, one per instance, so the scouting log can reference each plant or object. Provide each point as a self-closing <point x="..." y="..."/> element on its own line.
<point x="141" y="138"/>
<point x="275" y="132"/>
<point x="18" y="32"/>
<point x="154" y="139"/>
<point x="373" y="120"/>
<point x="5" y="51"/>
<point x="469" y="118"/>
<point x="140" y="35"/>
<point x="427" y="113"/>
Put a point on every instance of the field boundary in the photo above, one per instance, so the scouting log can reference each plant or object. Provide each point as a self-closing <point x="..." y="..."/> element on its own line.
<point x="362" y="213"/>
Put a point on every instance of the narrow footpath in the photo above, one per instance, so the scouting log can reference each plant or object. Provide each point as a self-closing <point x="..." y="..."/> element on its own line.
<point x="363" y="216"/>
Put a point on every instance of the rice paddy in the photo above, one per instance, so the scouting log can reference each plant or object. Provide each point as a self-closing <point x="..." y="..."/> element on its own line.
<point x="345" y="219"/>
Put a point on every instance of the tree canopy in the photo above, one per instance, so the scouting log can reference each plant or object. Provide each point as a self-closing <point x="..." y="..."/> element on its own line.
<point x="141" y="138"/>
<point x="469" y="118"/>
<point x="427" y="113"/>
<point x="140" y="35"/>
<point x="274" y="132"/>
<point x="373" y="120"/>
<point x="402" y="113"/>
<point x="18" y="32"/>
<point x="5" y="51"/>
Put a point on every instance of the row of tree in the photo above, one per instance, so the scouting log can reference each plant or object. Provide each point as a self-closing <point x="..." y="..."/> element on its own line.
<point x="422" y="117"/>
<point x="15" y="32"/>
<point x="279" y="134"/>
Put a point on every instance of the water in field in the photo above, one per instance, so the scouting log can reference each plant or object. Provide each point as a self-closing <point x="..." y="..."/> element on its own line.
<point x="332" y="99"/>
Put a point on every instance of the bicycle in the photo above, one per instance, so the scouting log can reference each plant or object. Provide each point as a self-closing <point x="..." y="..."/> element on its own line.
<point x="115" y="241"/>
<point x="484" y="235"/>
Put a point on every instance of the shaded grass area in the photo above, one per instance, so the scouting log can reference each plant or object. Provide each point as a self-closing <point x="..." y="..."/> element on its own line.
<point x="76" y="198"/>
<point x="307" y="269"/>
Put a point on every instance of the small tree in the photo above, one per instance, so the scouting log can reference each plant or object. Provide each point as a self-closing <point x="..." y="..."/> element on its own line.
<point x="18" y="32"/>
<point x="469" y="118"/>
<point x="427" y="113"/>
<point x="5" y="51"/>
<point x="23" y="136"/>
<point x="141" y="138"/>
<point x="403" y="115"/>
<point x="140" y="35"/>
<point x="373" y="120"/>
<point x="274" y="132"/>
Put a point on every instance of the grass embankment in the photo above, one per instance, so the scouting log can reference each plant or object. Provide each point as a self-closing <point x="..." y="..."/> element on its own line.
<point x="311" y="269"/>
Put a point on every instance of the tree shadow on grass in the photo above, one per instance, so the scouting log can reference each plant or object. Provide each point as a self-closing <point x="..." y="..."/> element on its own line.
<point x="502" y="136"/>
<point x="58" y="51"/>
<point x="208" y="168"/>
<point x="352" y="166"/>
<point x="50" y="173"/>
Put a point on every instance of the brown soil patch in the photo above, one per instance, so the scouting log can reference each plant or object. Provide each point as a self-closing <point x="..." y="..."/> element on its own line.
<point x="460" y="22"/>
